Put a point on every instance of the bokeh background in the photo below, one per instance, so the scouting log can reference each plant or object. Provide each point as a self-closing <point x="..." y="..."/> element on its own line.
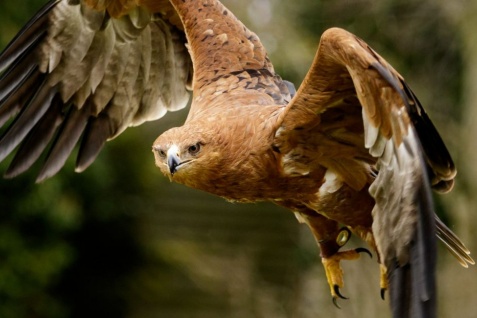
<point x="120" y="241"/>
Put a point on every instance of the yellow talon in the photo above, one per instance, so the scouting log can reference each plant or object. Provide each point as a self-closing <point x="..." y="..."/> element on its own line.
<point x="334" y="273"/>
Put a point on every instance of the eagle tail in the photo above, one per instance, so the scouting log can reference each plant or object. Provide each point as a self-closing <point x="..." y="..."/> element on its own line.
<point x="453" y="243"/>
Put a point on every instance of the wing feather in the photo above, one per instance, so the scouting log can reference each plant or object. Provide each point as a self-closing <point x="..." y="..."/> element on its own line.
<point x="27" y="37"/>
<point x="95" y="67"/>
<point x="25" y="121"/>
<point x="96" y="134"/>
<point x="10" y="104"/>
<point x="69" y="134"/>
<point x="36" y="140"/>
<point x="15" y="76"/>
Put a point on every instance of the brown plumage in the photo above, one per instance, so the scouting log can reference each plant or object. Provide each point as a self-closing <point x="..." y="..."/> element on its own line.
<point x="352" y="147"/>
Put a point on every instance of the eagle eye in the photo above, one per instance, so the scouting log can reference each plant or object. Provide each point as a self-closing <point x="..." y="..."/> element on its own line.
<point x="194" y="149"/>
<point x="161" y="153"/>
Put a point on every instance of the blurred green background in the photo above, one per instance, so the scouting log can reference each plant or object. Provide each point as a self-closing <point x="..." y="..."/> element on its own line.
<point x="120" y="241"/>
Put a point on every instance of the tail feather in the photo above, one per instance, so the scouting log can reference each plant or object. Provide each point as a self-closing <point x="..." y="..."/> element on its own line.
<point x="453" y="244"/>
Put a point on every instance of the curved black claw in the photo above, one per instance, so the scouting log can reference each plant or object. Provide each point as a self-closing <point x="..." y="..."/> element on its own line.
<point x="335" y="302"/>
<point x="383" y="293"/>
<point x="364" y="250"/>
<point x="337" y="291"/>
<point x="336" y="288"/>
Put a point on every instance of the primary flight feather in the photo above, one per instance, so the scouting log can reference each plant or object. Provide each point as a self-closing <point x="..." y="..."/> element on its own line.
<point x="352" y="151"/>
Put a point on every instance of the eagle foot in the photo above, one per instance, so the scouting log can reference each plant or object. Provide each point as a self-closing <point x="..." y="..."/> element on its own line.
<point x="334" y="273"/>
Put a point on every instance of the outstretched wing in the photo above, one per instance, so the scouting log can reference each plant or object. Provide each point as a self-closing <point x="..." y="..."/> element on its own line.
<point x="368" y="114"/>
<point x="88" y="68"/>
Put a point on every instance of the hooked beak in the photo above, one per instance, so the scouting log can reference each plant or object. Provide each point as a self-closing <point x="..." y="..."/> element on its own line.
<point x="173" y="159"/>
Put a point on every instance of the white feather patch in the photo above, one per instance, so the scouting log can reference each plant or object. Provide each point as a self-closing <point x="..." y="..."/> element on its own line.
<point x="332" y="183"/>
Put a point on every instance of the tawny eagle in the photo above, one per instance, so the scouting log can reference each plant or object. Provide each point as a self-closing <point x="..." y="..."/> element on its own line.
<point x="352" y="151"/>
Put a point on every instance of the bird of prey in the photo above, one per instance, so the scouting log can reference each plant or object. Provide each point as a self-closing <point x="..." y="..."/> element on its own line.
<point x="352" y="151"/>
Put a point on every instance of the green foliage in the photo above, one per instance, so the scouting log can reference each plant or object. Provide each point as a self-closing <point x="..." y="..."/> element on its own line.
<point x="32" y="251"/>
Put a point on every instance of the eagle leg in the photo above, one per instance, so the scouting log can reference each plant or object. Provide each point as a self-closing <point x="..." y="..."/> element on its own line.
<point x="330" y="238"/>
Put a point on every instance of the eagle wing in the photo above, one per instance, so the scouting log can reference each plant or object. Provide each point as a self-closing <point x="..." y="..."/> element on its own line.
<point x="366" y="111"/>
<point x="88" y="68"/>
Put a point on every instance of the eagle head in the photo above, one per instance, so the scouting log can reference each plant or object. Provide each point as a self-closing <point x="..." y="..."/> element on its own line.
<point x="187" y="155"/>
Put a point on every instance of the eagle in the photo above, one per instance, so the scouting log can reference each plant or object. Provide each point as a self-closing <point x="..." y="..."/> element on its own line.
<point x="352" y="151"/>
